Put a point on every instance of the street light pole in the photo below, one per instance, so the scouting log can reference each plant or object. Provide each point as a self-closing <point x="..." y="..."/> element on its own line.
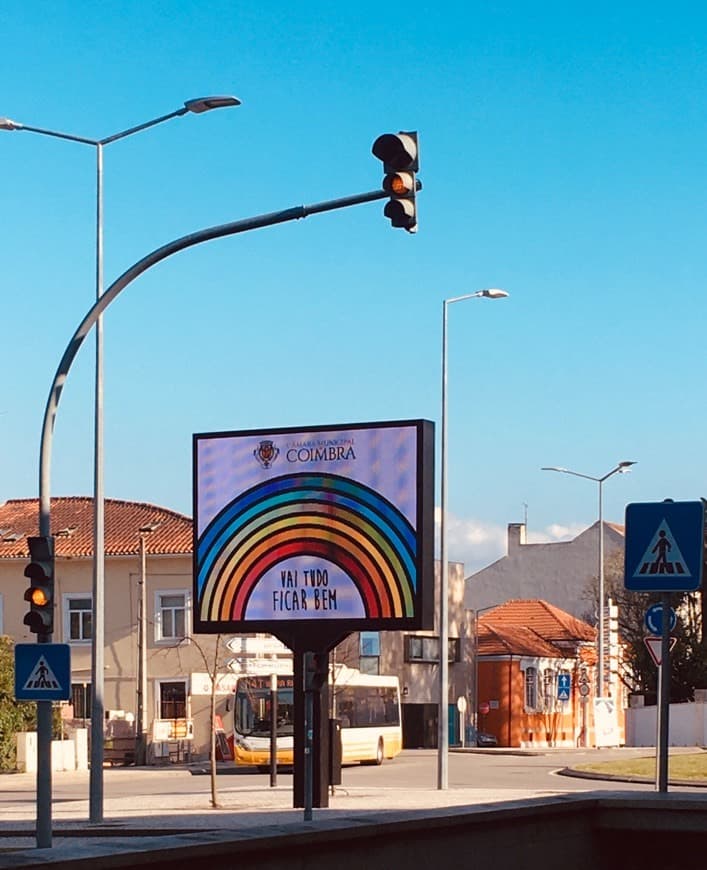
<point x="443" y="713"/>
<point x="141" y="718"/>
<point x="194" y="106"/>
<point x="621" y="468"/>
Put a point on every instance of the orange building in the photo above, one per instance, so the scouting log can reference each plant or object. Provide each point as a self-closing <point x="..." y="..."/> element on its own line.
<point x="537" y="679"/>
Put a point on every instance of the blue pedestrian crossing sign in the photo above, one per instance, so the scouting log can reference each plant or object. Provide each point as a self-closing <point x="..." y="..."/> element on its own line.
<point x="42" y="671"/>
<point x="665" y="544"/>
<point x="564" y="687"/>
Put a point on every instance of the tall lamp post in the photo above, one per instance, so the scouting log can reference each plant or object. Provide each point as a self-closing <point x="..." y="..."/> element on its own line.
<point x="621" y="468"/>
<point x="196" y="106"/>
<point x="141" y="719"/>
<point x="443" y="716"/>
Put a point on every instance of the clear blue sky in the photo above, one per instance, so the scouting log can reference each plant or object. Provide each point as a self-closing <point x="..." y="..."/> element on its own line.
<point x="562" y="157"/>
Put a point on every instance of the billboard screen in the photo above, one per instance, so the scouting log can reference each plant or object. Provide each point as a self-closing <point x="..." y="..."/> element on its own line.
<point x="331" y="523"/>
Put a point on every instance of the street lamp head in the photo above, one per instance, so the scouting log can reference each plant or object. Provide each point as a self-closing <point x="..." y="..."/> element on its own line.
<point x="625" y="466"/>
<point x="493" y="293"/>
<point x="9" y="124"/>
<point x="205" y="104"/>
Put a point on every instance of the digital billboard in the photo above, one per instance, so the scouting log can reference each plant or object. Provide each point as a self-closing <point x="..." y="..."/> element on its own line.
<point x="327" y="523"/>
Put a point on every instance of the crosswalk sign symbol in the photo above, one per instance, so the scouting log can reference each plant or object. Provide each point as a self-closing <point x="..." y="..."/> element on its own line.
<point x="662" y="555"/>
<point x="665" y="545"/>
<point x="42" y="677"/>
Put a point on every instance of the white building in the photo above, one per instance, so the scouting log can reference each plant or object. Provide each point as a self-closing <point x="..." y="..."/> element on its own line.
<point x="558" y="572"/>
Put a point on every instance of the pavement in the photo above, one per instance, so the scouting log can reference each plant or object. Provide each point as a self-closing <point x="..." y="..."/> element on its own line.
<point x="244" y="810"/>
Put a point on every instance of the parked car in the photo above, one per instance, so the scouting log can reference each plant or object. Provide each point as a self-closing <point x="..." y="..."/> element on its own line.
<point x="480" y="738"/>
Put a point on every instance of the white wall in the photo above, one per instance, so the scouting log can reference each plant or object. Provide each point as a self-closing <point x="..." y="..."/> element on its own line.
<point x="687" y="725"/>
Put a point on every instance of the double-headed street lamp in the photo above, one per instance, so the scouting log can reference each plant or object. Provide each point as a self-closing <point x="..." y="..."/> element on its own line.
<point x="443" y="716"/>
<point x="196" y="106"/>
<point x="621" y="468"/>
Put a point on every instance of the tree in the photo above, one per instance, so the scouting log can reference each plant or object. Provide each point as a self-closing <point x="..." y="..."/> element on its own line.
<point x="14" y="715"/>
<point x="638" y="672"/>
<point x="212" y="671"/>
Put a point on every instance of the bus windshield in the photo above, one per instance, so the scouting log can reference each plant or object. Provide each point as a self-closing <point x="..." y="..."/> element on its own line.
<point x="252" y="710"/>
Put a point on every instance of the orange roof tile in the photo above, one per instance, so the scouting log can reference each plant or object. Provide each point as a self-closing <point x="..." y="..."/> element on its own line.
<point x="500" y="639"/>
<point x="72" y="526"/>
<point x="545" y="619"/>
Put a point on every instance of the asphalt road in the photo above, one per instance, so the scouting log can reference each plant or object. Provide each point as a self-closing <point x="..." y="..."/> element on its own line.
<point x="487" y="770"/>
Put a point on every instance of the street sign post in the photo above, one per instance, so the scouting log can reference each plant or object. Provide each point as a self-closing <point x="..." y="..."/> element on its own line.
<point x="664" y="552"/>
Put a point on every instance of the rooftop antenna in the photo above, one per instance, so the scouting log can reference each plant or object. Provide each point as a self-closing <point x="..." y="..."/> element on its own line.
<point x="525" y="514"/>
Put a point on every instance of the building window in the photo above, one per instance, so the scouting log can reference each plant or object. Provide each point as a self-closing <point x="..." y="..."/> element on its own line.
<point x="549" y="689"/>
<point x="81" y="700"/>
<point x="369" y="652"/>
<point x="370" y="643"/>
<point x="173" y="700"/>
<point x="426" y="649"/>
<point x="531" y="688"/>
<point x="171" y="608"/>
<point x="78" y="621"/>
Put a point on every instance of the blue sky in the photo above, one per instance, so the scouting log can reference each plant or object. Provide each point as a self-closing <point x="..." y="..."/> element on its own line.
<point x="562" y="158"/>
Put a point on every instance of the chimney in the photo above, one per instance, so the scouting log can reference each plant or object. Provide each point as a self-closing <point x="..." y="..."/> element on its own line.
<point x="516" y="535"/>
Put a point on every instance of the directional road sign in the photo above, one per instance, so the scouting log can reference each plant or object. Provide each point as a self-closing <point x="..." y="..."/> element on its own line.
<point x="564" y="687"/>
<point x="42" y="672"/>
<point x="653" y="619"/>
<point x="664" y="546"/>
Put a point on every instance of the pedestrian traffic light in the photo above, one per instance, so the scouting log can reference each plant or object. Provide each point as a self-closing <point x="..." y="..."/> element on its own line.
<point x="399" y="153"/>
<point x="40" y="593"/>
<point x="316" y="670"/>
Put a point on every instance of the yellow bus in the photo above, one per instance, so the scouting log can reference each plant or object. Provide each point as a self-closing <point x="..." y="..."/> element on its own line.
<point x="366" y="705"/>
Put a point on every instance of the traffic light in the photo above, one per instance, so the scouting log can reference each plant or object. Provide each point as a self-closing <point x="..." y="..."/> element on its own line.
<point x="316" y="670"/>
<point x="40" y="593"/>
<point x="399" y="153"/>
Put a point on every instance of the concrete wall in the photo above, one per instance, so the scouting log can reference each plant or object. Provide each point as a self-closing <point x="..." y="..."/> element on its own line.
<point x="610" y="832"/>
<point x="687" y="725"/>
<point x="69" y="754"/>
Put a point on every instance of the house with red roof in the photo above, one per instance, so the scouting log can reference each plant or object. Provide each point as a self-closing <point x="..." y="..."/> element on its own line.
<point x="536" y="670"/>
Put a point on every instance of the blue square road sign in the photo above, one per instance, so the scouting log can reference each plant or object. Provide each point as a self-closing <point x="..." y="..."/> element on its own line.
<point x="664" y="548"/>
<point x="42" y="671"/>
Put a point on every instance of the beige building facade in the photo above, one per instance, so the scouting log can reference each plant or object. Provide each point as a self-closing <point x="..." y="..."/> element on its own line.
<point x="150" y="548"/>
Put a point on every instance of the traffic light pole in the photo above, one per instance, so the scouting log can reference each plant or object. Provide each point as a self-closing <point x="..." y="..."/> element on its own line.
<point x="91" y="318"/>
<point x="44" y="711"/>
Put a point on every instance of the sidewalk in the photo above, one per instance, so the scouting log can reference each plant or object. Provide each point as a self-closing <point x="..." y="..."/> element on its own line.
<point x="246" y="810"/>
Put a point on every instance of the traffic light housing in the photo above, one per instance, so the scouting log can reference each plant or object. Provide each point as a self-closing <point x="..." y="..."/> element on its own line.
<point x="316" y="670"/>
<point x="400" y="155"/>
<point x="40" y="593"/>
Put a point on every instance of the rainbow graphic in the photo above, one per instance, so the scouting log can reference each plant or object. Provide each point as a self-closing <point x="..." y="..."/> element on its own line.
<point x="302" y="517"/>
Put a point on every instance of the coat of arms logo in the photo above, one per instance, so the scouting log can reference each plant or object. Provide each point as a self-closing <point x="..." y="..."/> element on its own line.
<point x="266" y="453"/>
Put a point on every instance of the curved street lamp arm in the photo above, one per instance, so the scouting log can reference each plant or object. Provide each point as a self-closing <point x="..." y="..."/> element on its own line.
<point x="575" y="473"/>
<point x="127" y="278"/>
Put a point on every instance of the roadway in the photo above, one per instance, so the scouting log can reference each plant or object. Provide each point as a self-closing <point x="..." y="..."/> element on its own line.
<point x="484" y="776"/>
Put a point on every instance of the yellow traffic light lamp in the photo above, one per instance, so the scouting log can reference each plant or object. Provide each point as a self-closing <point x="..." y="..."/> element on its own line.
<point x="40" y="592"/>
<point x="400" y="155"/>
